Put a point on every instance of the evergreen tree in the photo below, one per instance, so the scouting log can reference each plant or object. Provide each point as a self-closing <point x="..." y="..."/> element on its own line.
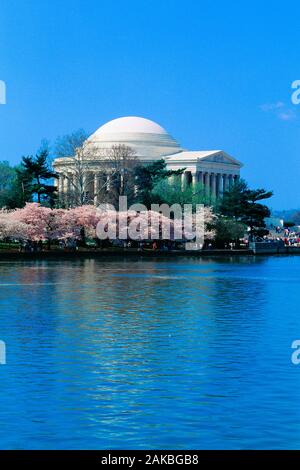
<point x="147" y="177"/>
<point x="11" y="187"/>
<point x="33" y="174"/>
<point x="255" y="213"/>
<point x="243" y="204"/>
<point x="233" y="201"/>
<point x="7" y="178"/>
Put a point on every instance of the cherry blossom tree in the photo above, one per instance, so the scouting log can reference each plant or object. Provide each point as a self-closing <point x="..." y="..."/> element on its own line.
<point x="12" y="229"/>
<point x="37" y="223"/>
<point x="36" y="218"/>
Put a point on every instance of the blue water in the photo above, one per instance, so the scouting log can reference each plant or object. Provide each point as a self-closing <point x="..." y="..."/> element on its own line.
<point x="180" y="354"/>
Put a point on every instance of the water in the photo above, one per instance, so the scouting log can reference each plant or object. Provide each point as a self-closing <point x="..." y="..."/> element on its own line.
<point x="184" y="354"/>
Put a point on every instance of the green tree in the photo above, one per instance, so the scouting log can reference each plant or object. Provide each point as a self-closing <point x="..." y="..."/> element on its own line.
<point x="228" y="230"/>
<point x="7" y="178"/>
<point x="244" y="205"/>
<point x="255" y="212"/>
<point x="7" y="175"/>
<point x="148" y="177"/>
<point x="11" y="187"/>
<point x="233" y="201"/>
<point x="34" y="174"/>
<point x="170" y="192"/>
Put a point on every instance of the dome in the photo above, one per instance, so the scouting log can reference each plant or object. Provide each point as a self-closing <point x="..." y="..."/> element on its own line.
<point x="147" y="139"/>
<point x="131" y="124"/>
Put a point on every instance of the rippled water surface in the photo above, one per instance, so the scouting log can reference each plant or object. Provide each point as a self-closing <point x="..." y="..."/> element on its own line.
<point x="180" y="354"/>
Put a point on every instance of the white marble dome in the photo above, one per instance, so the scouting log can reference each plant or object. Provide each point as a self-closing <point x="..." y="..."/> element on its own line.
<point x="131" y="124"/>
<point x="148" y="139"/>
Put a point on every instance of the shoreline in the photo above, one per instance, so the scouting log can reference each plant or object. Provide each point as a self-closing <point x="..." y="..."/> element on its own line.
<point x="83" y="254"/>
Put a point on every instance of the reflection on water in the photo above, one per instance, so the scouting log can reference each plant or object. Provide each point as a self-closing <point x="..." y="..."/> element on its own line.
<point x="150" y="354"/>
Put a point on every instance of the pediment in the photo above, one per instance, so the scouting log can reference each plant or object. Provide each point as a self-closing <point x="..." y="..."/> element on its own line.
<point x="221" y="157"/>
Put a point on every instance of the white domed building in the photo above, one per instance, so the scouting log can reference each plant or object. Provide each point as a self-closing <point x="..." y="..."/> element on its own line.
<point x="215" y="169"/>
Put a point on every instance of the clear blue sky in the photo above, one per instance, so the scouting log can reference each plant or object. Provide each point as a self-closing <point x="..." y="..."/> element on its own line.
<point x="216" y="75"/>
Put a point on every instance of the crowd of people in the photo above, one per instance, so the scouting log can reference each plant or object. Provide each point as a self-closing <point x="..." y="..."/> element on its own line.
<point x="289" y="235"/>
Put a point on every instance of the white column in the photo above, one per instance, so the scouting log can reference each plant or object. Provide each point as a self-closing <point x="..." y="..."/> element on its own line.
<point x="96" y="189"/>
<point x="60" y="186"/>
<point x="55" y="183"/>
<point x="213" y="185"/>
<point x="84" y="182"/>
<point x="219" y="185"/>
<point x="207" y="183"/>
<point x="72" y="189"/>
<point x="68" y="188"/>
<point x="200" y="178"/>
<point x="83" y="190"/>
<point x="107" y="182"/>
<point x="223" y="183"/>
<point x="183" y="181"/>
<point x="63" y="189"/>
<point x="194" y="179"/>
<point x="64" y="185"/>
<point x="226" y="183"/>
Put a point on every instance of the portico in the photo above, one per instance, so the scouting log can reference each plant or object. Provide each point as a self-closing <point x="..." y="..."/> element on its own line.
<point x="215" y="170"/>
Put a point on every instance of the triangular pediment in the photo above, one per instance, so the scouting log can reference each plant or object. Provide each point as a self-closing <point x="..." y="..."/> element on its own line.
<point x="220" y="157"/>
<point x="207" y="156"/>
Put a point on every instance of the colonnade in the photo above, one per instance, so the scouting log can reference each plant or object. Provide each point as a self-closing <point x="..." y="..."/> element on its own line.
<point x="91" y="183"/>
<point x="86" y="186"/>
<point x="214" y="183"/>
